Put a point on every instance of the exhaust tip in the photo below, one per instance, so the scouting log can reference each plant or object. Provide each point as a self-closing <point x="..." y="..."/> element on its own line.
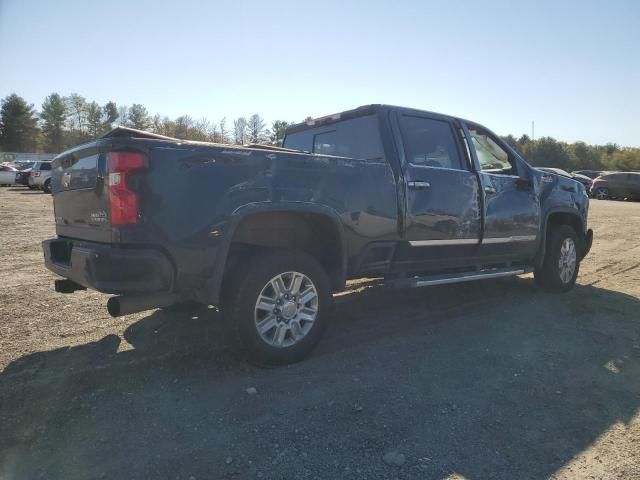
<point x="113" y="306"/>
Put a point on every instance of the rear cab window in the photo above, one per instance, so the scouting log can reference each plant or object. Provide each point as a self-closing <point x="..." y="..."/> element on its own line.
<point x="45" y="166"/>
<point x="357" y="138"/>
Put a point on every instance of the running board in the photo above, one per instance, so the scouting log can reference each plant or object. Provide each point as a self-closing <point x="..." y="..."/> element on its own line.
<point x="414" y="282"/>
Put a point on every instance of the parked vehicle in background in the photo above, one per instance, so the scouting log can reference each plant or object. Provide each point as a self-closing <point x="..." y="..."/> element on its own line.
<point x="583" y="179"/>
<point x="23" y="165"/>
<point x="268" y="234"/>
<point x="22" y="177"/>
<point x="7" y="175"/>
<point x="557" y="171"/>
<point x="40" y="176"/>
<point x="617" y="185"/>
<point x="589" y="173"/>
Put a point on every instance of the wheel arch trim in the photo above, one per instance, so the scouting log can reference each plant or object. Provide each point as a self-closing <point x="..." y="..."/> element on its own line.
<point x="545" y="225"/>
<point x="213" y="284"/>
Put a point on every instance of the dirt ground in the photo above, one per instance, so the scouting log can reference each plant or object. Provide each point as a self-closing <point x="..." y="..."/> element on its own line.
<point x="490" y="379"/>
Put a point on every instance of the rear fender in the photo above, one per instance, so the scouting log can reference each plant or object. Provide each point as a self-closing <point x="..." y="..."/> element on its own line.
<point x="214" y="283"/>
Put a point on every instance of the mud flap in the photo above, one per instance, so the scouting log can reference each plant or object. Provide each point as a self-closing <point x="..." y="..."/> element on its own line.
<point x="587" y="241"/>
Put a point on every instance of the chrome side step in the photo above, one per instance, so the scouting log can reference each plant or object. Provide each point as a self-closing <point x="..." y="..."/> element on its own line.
<point x="413" y="282"/>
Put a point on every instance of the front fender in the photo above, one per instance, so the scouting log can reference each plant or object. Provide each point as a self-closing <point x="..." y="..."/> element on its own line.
<point x="585" y="236"/>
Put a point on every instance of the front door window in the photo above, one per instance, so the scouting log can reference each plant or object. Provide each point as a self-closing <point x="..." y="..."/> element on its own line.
<point x="491" y="156"/>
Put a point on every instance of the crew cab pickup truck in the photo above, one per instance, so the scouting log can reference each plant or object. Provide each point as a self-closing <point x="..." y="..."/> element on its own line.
<point x="268" y="234"/>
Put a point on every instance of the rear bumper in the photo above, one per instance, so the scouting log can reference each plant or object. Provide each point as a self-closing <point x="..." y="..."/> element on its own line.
<point x="108" y="269"/>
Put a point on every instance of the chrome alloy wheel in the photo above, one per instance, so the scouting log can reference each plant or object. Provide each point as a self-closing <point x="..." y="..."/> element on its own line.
<point x="567" y="261"/>
<point x="602" y="194"/>
<point x="286" y="309"/>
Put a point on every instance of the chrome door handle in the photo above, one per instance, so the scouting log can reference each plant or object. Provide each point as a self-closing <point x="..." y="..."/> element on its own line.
<point x="418" y="184"/>
<point x="489" y="189"/>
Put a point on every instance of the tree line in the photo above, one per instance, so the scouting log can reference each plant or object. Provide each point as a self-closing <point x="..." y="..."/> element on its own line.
<point x="65" y="121"/>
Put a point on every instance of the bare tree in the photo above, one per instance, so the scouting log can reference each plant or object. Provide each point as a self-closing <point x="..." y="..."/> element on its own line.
<point x="184" y="125"/>
<point x="224" y="133"/>
<point x="256" y="129"/>
<point x="240" y="131"/>
<point x="77" y="108"/>
<point x="201" y="130"/>
<point x="123" y="116"/>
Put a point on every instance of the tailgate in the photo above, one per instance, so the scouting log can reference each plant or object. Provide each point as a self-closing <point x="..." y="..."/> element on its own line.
<point x="80" y="196"/>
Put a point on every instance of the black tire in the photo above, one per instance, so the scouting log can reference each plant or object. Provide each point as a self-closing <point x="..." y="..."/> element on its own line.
<point x="550" y="276"/>
<point x="601" y="193"/>
<point x="46" y="188"/>
<point x="240" y="312"/>
<point x="32" y="187"/>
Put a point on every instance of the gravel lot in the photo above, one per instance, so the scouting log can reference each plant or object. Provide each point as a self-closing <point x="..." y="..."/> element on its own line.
<point x="491" y="379"/>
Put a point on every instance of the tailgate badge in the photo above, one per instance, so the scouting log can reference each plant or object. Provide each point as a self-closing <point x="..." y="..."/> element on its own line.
<point x="66" y="179"/>
<point x="98" y="217"/>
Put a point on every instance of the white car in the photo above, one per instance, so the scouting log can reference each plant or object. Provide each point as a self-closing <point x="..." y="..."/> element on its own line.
<point x="7" y="175"/>
<point x="40" y="176"/>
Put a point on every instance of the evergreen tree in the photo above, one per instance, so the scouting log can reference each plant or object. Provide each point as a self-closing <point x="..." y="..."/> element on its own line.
<point x="53" y="116"/>
<point x="18" y="125"/>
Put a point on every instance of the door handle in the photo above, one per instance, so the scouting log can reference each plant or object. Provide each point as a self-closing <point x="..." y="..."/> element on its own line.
<point x="489" y="189"/>
<point x="418" y="184"/>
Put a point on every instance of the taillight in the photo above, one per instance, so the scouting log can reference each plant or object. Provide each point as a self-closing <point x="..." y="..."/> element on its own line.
<point x="123" y="202"/>
<point x="35" y="174"/>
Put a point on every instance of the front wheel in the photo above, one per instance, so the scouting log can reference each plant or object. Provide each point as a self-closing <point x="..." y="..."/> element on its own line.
<point x="560" y="268"/>
<point x="276" y="306"/>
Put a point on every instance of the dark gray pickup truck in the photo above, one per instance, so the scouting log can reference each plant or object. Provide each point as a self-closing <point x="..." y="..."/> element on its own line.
<point x="268" y="234"/>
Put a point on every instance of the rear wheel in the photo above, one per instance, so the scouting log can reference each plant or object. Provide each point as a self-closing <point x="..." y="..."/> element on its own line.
<point x="601" y="193"/>
<point x="276" y="305"/>
<point x="560" y="268"/>
<point x="46" y="188"/>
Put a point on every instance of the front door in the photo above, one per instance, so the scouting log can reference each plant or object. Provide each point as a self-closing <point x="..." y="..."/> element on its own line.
<point x="511" y="206"/>
<point x="443" y="218"/>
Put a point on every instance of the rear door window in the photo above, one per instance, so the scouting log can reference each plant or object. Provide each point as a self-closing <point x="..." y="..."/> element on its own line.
<point x="45" y="166"/>
<point x="430" y="142"/>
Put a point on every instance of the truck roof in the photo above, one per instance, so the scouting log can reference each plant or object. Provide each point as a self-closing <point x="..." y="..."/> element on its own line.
<point x="358" y="112"/>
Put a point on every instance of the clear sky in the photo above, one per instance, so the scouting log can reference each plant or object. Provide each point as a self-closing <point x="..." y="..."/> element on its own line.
<point x="573" y="66"/>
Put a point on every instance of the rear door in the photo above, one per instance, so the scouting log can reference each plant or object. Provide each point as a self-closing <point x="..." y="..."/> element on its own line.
<point x="633" y="185"/>
<point x="616" y="184"/>
<point x="443" y="219"/>
<point x="80" y="197"/>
